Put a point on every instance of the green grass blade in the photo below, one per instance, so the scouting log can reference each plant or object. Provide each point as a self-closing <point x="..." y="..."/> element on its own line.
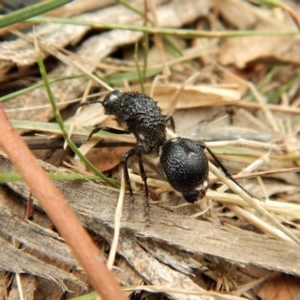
<point x="14" y="176"/>
<point x="64" y="132"/>
<point x="30" y="11"/>
<point x="90" y="296"/>
<point x="37" y="85"/>
<point x="182" y="33"/>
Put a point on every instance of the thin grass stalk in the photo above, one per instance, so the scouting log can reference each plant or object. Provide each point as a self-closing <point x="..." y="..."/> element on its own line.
<point x="288" y="235"/>
<point x="30" y="11"/>
<point x="117" y="223"/>
<point x="168" y="39"/>
<point x="139" y="71"/>
<point x="59" y="120"/>
<point x="14" y="176"/>
<point x="181" y="33"/>
<point x="158" y="41"/>
<point x="34" y="87"/>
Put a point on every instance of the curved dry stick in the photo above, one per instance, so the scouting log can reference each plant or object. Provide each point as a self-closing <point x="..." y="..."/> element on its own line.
<point x="58" y="210"/>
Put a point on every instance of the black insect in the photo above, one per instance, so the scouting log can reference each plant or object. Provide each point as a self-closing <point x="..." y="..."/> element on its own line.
<point x="142" y="117"/>
<point x="183" y="160"/>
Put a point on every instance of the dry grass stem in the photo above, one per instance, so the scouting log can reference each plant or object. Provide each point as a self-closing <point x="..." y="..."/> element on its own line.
<point x="258" y="222"/>
<point x="287" y="209"/>
<point x="159" y="45"/>
<point x="287" y="234"/>
<point x="64" y="58"/>
<point x="246" y="144"/>
<point x="174" y="99"/>
<point x="117" y="222"/>
<point x="84" y="98"/>
<point x="264" y="107"/>
<point x="177" y="291"/>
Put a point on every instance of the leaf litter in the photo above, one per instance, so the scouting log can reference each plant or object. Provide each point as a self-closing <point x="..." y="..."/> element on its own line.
<point x="239" y="94"/>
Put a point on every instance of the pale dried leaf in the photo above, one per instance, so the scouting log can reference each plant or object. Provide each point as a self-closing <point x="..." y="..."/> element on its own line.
<point x="244" y="50"/>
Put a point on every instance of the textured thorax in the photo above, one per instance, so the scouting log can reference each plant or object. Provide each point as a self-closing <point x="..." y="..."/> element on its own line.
<point x="142" y="116"/>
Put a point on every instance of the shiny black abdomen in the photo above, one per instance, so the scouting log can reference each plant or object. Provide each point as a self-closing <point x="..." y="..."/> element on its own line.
<point x="186" y="167"/>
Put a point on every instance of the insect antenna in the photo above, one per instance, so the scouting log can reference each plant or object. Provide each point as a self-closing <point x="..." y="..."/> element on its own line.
<point x="88" y="103"/>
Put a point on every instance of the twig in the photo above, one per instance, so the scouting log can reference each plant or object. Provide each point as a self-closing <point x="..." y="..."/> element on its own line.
<point x="58" y="210"/>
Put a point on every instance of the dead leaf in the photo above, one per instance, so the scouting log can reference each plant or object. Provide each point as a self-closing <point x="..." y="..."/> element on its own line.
<point x="106" y="159"/>
<point x="285" y="287"/>
<point x="245" y="50"/>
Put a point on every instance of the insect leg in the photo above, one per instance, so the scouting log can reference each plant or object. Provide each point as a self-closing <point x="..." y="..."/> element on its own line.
<point x="125" y="158"/>
<point x="144" y="178"/>
<point x="143" y="173"/>
<point x="171" y="119"/>
<point x="223" y="168"/>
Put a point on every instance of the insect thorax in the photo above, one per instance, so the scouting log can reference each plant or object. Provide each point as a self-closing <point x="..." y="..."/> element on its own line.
<point x="150" y="137"/>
